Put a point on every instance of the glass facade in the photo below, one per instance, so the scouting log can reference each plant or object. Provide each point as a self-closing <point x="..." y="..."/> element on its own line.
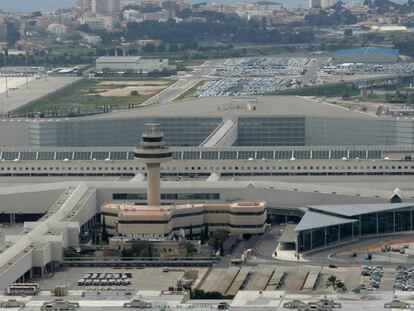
<point x="372" y="224"/>
<point x="271" y="131"/>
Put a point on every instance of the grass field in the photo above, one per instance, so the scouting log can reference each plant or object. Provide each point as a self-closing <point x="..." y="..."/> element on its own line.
<point x="97" y="94"/>
<point x="328" y="90"/>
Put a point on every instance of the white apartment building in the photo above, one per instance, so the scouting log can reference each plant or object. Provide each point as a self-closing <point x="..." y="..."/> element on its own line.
<point x="98" y="22"/>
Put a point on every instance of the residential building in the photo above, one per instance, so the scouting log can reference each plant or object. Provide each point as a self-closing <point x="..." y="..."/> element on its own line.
<point x="326" y="4"/>
<point x="57" y="29"/>
<point x="98" y="22"/>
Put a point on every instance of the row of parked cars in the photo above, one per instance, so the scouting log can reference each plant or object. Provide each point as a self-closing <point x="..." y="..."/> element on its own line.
<point x="104" y="279"/>
<point x="233" y="86"/>
<point x="104" y="282"/>
<point x="375" y="274"/>
<point x="362" y="68"/>
<point x="404" y="279"/>
<point x="108" y="275"/>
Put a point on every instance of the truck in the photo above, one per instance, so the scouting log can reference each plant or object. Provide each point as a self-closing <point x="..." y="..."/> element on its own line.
<point x="12" y="303"/>
<point x="397" y="304"/>
<point x="139" y="304"/>
<point x="59" y="305"/>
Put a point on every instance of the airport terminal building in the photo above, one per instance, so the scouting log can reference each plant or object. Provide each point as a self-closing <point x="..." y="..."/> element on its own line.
<point x="213" y="122"/>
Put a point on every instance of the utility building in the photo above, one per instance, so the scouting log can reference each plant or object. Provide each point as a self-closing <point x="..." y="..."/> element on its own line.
<point x="374" y="55"/>
<point x="133" y="63"/>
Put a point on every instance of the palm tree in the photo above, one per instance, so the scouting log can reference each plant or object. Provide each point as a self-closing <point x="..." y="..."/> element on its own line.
<point x="341" y="286"/>
<point x="331" y="282"/>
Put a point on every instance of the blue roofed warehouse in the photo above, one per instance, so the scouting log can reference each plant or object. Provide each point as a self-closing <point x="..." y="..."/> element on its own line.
<point x="367" y="55"/>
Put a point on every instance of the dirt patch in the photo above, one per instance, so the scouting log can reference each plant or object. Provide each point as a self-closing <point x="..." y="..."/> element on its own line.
<point x="126" y="91"/>
<point x="124" y="88"/>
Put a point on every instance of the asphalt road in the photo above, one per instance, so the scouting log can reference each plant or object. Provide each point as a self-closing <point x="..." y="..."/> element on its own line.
<point x="183" y="84"/>
<point x="38" y="88"/>
<point x="268" y="243"/>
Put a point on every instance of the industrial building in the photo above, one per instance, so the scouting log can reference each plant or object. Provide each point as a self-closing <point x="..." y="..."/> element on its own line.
<point x="130" y="63"/>
<point x="375" y="55"/>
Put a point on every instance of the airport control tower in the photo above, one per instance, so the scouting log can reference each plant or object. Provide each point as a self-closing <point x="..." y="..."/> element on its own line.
<point x="153" y="152"/>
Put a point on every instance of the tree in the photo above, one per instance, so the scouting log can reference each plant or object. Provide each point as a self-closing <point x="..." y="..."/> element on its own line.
<point x="162" y="48"/>
<point x="133" y="51"/>
<point x="84" y="28"/>
<point x="348" y="32"/>
<point x="331" y="282"/>
<point x="340" y="286"/>
<point x="173" y="48"/>
<point x="134" y="93"/>
<point x="104" y="233"/>
<point x="216" y="241"/>
<point x="149" y="48"/>
<point x="12" y="37"/>
<point x="192" y="45"/>
<point x="191" y="236"/>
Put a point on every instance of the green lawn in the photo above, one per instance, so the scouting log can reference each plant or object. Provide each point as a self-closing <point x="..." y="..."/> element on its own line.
<point x="328" y="90"/>
<point x="84" y="94"/>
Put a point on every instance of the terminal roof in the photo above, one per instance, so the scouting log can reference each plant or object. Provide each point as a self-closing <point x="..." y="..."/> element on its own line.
<point x="368" y="50"/>
<point x="314" y="220"/>
<point x="349" y="210"/>
<point x="261" y="106"/>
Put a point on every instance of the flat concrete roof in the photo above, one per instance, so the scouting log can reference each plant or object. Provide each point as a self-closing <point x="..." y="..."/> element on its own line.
<point x="288" y="235"/>
<point x="263" y="106"/>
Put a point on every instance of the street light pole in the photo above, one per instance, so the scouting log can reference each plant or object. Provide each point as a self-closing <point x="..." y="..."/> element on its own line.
<point x="27" y="76"/>
<point x="5" y="74"/>
<point x="45" y="54"/>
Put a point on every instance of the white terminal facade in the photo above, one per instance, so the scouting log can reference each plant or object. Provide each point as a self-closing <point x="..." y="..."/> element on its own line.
<point x="214" y="176"/>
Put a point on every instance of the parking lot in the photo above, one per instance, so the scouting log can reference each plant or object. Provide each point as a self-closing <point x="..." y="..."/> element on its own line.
<point x="243" y="86"/>
<point x="262" y="67"/>
<point x="361" y="68"/>
<point x="255" y="76"/>
<point x="139" y="278"/>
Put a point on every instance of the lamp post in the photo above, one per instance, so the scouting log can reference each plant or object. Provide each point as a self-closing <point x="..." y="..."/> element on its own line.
<point x="27" y="76"/>
<point x="44" y="62"/>
<point x="5" y="74"/>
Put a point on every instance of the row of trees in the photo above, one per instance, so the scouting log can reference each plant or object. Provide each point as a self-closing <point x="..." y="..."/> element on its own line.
<point x="233" y="30"/>
<point x="336" y="284"/>
<point x="53" y="60"/>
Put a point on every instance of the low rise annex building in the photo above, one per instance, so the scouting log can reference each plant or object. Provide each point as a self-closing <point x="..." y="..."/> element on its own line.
<point x="156" y="222"/>
<point x="130" y="63"/>
<point x="161" y="222"/>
